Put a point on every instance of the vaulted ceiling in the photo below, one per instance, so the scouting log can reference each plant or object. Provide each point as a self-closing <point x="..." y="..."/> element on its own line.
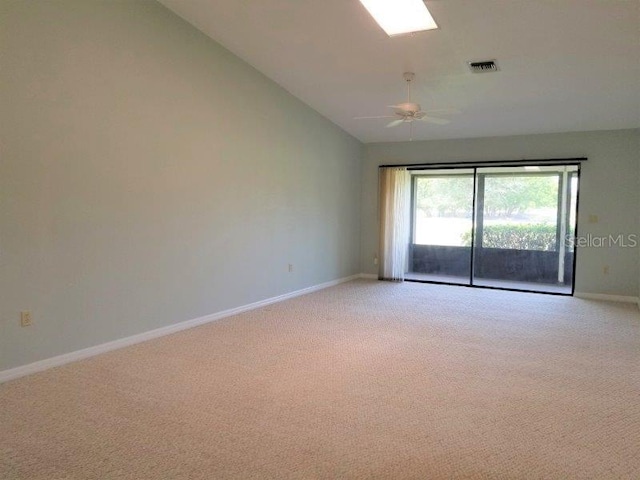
<point x="565" y="65"/>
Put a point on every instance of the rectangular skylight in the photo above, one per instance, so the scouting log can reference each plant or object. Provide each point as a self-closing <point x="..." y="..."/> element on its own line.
<point x="400" y="16"/>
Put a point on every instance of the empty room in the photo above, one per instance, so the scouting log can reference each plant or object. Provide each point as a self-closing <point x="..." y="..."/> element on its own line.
<point x="344" y="239"/>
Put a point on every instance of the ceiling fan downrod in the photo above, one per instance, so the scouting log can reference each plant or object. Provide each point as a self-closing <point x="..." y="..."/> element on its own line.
<point x="408" y="77"/>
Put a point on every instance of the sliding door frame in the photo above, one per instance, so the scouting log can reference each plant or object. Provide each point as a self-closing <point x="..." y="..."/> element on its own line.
<point x="570" y="162"/>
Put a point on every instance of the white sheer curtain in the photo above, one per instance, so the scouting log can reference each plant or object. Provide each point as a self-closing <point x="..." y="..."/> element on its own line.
<point x="395" y="198"/>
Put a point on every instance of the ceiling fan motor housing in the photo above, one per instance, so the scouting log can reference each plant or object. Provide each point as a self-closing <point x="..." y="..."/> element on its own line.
<point x="407" y="108"/>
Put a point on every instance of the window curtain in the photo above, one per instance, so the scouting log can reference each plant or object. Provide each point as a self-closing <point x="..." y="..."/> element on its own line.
<point x="395" y="199"/>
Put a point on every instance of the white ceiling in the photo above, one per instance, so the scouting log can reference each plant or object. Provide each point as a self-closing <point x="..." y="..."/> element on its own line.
<point x="566" y="65"/>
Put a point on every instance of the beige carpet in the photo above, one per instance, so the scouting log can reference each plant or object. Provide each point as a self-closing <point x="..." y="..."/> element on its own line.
<point x="365" y="380"/>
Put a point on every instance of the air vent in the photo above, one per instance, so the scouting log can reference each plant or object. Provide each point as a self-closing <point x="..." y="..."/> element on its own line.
<point x="484" y="66"/>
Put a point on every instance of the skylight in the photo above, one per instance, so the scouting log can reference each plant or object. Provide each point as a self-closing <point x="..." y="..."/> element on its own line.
<point x="400" y="16"/>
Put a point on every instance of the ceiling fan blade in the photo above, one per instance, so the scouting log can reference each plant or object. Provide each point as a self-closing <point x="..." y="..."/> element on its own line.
<point x="395" y="123"/>
<point x="377" y="116"/>
<point x="437" y="121"/>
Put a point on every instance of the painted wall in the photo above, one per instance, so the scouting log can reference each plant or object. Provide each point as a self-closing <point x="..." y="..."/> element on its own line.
<point x="148" y="176"/>
<point x="608" y="189"/>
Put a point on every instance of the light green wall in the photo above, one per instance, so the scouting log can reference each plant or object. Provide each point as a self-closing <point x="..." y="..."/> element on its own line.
<point x="148" y="176"/>
<point x="608" y="189"/>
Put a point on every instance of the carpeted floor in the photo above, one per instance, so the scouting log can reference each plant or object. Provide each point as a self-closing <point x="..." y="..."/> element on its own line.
<point x="365" y="380"/>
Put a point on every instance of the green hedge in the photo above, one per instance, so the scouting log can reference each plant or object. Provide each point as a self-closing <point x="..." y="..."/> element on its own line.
<point x="518" y="237"/>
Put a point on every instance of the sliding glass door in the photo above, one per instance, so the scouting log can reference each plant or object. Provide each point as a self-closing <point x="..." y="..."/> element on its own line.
<point x="523" y="217"/>
<point x="500" y="227"/>
<point x="442" y="226"/>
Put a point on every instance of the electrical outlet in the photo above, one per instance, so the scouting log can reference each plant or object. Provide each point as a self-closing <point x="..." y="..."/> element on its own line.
<point x="375" y="259"/>
<point x="593" y="219"/>
<point x="605" y="270"/>
<point x="290" y="267"/>
<point x="25" y="319"/>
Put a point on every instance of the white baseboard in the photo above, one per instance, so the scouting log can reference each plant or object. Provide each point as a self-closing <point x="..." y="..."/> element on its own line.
<point x="609" y="298"/>
<point x="58" y="360"/>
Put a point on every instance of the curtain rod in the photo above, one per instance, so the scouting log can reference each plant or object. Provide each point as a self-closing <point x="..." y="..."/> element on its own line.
<point x="542" y="161"/>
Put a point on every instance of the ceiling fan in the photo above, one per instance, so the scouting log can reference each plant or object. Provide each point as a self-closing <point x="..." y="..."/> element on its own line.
<point x="409" y="112"/>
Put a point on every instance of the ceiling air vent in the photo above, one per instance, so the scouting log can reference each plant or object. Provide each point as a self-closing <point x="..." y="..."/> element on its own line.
<point x="483" y="66"/>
